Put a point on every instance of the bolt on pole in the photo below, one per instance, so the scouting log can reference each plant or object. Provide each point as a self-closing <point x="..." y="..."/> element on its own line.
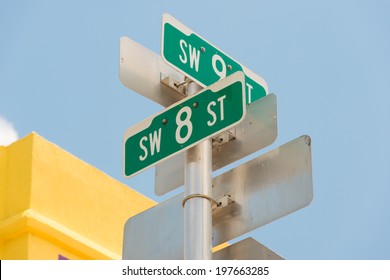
<point x="197" y="193"/>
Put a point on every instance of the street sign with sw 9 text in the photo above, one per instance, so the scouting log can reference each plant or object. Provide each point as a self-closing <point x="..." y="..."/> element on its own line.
<point x="204" y="63"/>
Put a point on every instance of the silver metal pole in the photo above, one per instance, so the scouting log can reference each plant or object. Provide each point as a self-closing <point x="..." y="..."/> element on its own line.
<point x="197" y="206"/>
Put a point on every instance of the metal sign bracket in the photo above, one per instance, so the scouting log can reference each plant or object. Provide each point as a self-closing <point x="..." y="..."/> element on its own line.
<point x="178" y="86"/>
<point x="224" y="137"/>
<point x="224" y="201"/>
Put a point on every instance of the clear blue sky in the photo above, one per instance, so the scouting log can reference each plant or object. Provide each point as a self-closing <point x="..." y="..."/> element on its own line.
<point x="327" y="61"/>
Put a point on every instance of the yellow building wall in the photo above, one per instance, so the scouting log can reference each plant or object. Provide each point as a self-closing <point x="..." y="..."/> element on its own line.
<point x="53" y="205"/>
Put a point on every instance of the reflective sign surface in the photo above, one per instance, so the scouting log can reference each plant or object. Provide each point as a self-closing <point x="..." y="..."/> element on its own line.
<point x="260" y="191"/>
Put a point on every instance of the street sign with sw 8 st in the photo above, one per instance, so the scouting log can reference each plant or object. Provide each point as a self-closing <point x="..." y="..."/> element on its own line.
<point x="184" y="124"/>
<point x="204" y="63"/>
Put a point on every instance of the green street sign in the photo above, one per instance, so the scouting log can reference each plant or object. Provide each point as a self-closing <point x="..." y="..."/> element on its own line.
<point x="185" y="124"/>
<point x="204" y="63"/>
